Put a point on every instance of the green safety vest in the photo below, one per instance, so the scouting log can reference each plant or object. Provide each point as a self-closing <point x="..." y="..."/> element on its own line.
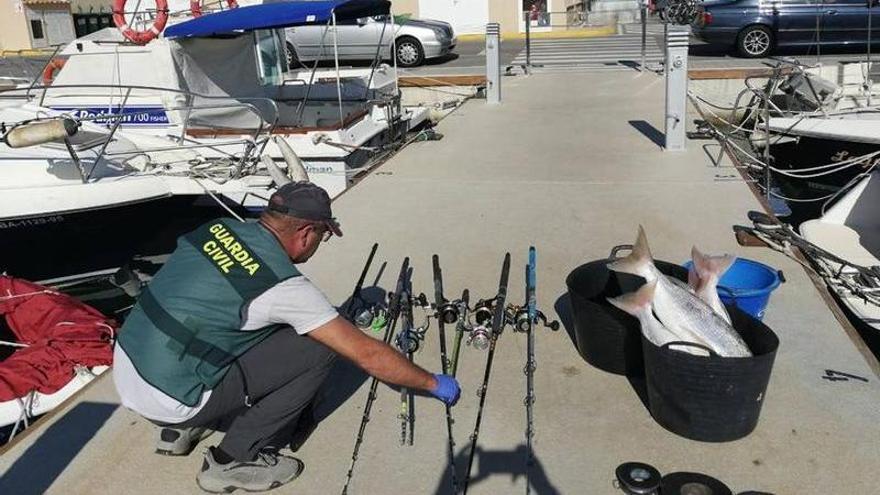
<point x="185" y="330"/>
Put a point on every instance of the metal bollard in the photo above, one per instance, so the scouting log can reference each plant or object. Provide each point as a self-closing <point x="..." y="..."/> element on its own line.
<point x="676" y="86"/>
<point x="493" y="63"/>
<point x="643" y="14"/>
<point x="528" y="22"/>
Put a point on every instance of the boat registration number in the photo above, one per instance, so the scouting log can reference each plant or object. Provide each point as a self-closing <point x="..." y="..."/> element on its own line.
<point x="31" y="222"/>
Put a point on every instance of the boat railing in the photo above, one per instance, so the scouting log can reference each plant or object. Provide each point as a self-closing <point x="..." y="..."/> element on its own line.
<point x="143" y="17"/>
<point x="247" y="144"/>
<point x="15" y="81"/>
<point x="253" y="144"/>
<point x="264" y="110"/>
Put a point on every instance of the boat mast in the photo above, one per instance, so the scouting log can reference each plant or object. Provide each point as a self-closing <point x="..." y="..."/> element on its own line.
<point x="819" y="15"/>
<point x="378" y="58"/>
<point x="336" y="59"/>
<point x="302" y="108"/>
<point x="394" y="52"/>
<point x="869" y="83"/>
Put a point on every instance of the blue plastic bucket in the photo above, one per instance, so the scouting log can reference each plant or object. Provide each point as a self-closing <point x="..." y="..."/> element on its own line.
<point x="748" y="285"/>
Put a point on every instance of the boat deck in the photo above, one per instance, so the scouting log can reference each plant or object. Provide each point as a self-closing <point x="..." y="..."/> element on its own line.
<point x="568" y="163"/>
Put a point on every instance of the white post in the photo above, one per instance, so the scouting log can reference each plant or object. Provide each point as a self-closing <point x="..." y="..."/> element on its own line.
<point x="676" y="86"/>
<point x="493" y="63"/>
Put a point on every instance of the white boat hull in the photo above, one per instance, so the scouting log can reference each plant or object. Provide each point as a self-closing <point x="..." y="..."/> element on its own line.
<point x="851" y="231"/>
<point x="37" y="404"/>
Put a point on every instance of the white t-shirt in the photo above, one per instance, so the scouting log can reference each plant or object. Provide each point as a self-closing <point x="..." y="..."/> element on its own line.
<point x="295" y="302"/>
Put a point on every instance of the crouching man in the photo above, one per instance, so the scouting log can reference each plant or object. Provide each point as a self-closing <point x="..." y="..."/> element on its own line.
<point x="230" y="332"/>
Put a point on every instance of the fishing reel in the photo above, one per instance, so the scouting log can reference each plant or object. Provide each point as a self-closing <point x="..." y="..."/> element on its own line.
<point x="481" y="333"/>
<point x="409" y="339"/>
<point x="636" y="478"/>
<point x="518" y="318"/>
<point x="367" y="317"/>
<point x="449" y="312"/>
<point x="372" y="317"/>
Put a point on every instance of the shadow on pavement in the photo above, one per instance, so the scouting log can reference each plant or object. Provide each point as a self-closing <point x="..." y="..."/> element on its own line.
<point x="566" y="316"/>
<point x="707" y="50"/>
<point x="563" y="308"/>
<point x="345" y="378"/>
<point x="44" y="461"/>
<point x="496" y="462"/>
<point x="649" y="131"/>
<point x="639" y="385"/>
<point x="701" y="49"/>
<point x="329" y="64"/>
<point x="449" y="57"/>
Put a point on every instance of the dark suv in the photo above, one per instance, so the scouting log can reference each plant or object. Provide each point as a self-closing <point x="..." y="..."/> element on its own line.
<point x="756" y="27"/>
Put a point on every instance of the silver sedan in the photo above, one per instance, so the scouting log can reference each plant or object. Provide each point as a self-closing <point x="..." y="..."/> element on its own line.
<point x="414" y="41"/>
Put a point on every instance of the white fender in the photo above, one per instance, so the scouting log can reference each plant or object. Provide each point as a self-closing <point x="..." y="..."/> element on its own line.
<point x="36" y="133"/>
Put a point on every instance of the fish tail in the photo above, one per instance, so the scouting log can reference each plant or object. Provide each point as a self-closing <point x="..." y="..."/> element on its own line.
<point x="694" y="281"/>
<point x="638" y="260"/>
<point x="636" y="302"/>
<point x="710" y="266"/>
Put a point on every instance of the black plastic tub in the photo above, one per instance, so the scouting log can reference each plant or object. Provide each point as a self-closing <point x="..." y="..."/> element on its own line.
<point x="607" y="337"/>
<point x="705" y="398"/>
<point x="710" y="398"/>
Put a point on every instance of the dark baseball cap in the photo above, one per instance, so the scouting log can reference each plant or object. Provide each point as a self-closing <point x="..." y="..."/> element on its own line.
<point x="305" y="201"/>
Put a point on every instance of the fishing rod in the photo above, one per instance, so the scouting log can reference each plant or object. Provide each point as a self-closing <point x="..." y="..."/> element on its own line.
<point x="462" y="325"/>
<point x="351" y="309"/>
<point x="404" y="344"/>
<point x="393" y="314"/>
<point x="524" y="318"/>
<point x="531" y="365"/>
<point x="446" y="313"/>
<point x="498" y="321"/>
<point x="408" y="341"/>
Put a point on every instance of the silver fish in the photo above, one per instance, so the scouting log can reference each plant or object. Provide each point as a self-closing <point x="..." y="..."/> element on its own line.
<point x="638" y="304"/>
<point x="703" y="278"/>
<point x="680" y="311"/>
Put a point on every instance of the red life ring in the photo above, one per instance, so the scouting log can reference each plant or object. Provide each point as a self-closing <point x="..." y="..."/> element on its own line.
<point x="195" y="6"/>
<point x="140" y="37"/>
<point x="49" y="72"/>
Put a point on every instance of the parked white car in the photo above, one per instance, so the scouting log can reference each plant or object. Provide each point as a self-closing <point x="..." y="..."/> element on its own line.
<point x="416" y="41"/>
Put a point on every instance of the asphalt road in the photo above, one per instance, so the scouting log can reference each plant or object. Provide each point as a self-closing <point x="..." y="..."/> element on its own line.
<point x="469" y="56"/>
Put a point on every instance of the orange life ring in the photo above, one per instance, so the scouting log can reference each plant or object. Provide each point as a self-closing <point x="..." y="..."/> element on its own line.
<point x="49" y="72"/>
<point x="195" y="6"/>
<point x="140" y="37"/>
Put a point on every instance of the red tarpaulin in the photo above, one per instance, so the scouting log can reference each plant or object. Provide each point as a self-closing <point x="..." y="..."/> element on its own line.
<point x="60" y="333"/>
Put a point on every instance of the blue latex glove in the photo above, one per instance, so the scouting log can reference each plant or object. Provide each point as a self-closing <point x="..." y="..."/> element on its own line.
<point x="447" y="389"/>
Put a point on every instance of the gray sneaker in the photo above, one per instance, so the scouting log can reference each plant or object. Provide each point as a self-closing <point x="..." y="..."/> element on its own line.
<point x="269" y="470"/>
<point x="173" y="441"/>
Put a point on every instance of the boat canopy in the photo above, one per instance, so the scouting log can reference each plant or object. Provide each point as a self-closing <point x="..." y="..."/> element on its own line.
<point x="276" y="16"/>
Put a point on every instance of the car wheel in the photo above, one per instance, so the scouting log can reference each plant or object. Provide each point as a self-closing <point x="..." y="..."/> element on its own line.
<point x="292" y="59"/>
<point x="755" y="41"/>
<point x="409" y="52"/>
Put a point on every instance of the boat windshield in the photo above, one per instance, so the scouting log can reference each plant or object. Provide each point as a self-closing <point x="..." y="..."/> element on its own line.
<point x="271" y="58"/>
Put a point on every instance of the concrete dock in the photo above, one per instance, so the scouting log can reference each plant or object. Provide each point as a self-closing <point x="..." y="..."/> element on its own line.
<point x="569" y="163"/>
